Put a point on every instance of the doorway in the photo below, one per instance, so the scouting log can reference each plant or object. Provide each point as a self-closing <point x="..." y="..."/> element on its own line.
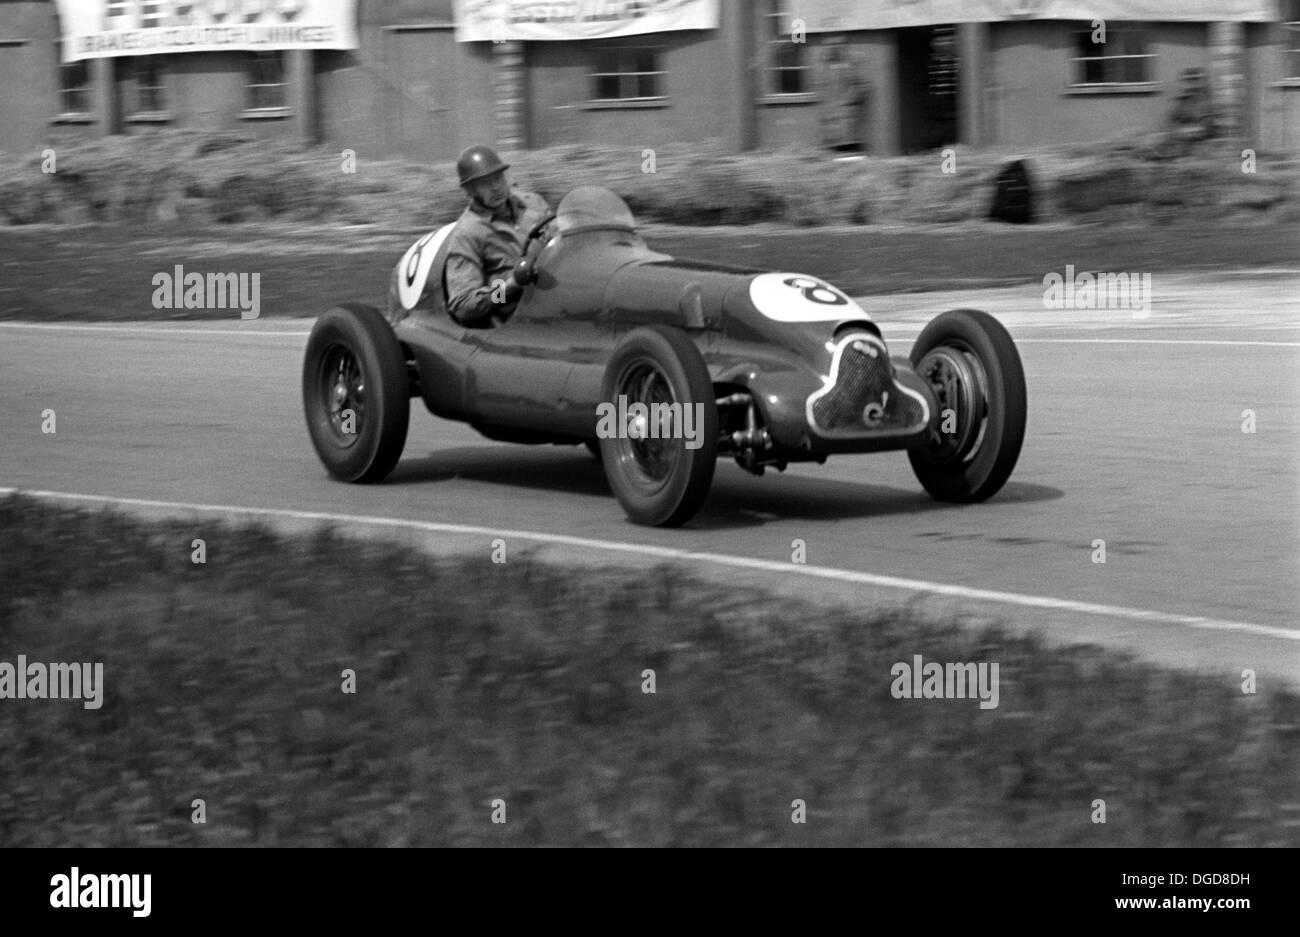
<point x="927" y="86"/>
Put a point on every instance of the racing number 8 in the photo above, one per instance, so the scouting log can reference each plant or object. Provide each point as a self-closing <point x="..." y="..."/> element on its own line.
<point x="815" y="291"/>
<point x="413" y="265"/>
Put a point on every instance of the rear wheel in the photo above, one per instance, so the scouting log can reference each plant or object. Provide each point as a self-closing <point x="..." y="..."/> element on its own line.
<point x="660" y="461"/>
<point x="970" y="361"/>
<point x="355" y="393"/>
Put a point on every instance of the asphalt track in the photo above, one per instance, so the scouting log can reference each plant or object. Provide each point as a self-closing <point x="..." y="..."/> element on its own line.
<point x="1134" y="437"/>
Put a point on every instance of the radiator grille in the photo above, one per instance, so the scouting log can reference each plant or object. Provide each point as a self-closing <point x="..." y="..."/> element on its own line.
<point x="861" y="379"/>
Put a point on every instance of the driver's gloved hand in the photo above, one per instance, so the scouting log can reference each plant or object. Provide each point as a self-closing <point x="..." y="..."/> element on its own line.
<point x="523" y="273"/>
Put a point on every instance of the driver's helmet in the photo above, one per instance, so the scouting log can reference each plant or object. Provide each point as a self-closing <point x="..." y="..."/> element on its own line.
<point x="590" y="207"/>
<point x="478" y="161"/>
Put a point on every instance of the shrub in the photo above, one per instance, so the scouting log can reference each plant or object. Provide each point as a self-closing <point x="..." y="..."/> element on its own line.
<point x="230" y="178"/>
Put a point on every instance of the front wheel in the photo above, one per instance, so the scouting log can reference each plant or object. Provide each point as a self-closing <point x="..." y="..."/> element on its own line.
<point x="658" y="426"/>
<point x="970" y="361"/>
<point x="355" y="393"/>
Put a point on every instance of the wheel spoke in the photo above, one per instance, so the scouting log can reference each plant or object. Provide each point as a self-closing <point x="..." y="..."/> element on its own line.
<point x="652" y="456"/>
<point x="343" y="388"/>
<point x="960" y="386"/>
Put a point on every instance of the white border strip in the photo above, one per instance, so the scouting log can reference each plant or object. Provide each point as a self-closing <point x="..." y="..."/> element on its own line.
<point x="1148" y="341"/>
<point x="741" y="562"/>
<point x="894" y="334"/>
<point x="895" y="338"/>
<point x="186" y="330"/>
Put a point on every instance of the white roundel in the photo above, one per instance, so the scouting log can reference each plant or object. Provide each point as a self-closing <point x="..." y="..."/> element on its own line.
<point x="413" y="271"/>
<point x="797" y="297"/>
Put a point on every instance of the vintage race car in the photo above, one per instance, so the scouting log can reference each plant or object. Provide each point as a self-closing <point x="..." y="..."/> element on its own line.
<point x="660" y="366"/>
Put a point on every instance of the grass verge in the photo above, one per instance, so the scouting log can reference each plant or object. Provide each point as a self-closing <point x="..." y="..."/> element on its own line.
<point x="524" y="682"/>
<point x="106" y="272"/>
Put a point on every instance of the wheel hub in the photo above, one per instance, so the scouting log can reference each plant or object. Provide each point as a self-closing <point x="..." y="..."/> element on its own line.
<point x="343" y="394"/>
<point x="651" y="454"/>
<point x="961" y="389"/>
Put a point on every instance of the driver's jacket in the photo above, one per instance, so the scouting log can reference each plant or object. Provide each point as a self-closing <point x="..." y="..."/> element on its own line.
<point x="482" y="249"/>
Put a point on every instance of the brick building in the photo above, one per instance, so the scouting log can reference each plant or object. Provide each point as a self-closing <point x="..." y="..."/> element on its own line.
<point x="419" y="78"/>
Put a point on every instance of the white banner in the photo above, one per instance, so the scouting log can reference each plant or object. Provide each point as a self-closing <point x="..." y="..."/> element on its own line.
<point x="96" y="29"/>
<point x="505" y="20"/>
<point x="843" y="15"/>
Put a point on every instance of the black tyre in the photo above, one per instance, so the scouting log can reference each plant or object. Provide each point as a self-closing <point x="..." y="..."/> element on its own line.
<point x="355" y="393"/>
<point x="969" y="359"/>
<point x="657" y="478"/>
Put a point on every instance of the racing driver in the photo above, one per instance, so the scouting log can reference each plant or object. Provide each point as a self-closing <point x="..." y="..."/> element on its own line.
<point x="488" y="239"/>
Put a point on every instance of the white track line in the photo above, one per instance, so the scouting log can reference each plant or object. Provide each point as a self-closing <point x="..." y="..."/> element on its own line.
<point x="183" y="330"/>
<point x="742" y="562"/>
<point x="1147" y="341"/>
<point x="189" y="331"/>
<point x="897" y="339"/>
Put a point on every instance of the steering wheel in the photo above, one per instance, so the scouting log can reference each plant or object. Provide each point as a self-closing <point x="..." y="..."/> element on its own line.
<point x="524" y="272"/>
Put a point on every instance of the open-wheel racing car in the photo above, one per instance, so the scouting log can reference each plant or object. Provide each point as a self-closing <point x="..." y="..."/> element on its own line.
<point x="660" y="366"/>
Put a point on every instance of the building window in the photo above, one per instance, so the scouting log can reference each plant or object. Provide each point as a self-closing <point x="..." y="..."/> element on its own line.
<point x="1121" y="60"/>
<point x="148" y="85"/>
<point x="627" y="74"/>
<point x="75" y="99"/>
<point x="1291" y="25"/>
<point x="151" y="14"/>
<point x="785" y="61"/>
<point x="264" y="81"/>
